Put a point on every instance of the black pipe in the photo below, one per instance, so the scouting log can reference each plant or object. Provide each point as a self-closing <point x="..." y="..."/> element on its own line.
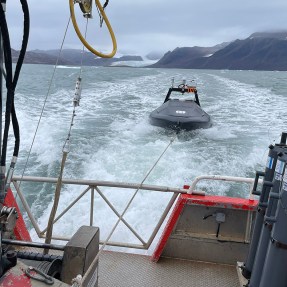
<point x="37" y="256"/>
<point x="33" y="244"/>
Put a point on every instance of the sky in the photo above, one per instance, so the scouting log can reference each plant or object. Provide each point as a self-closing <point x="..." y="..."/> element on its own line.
<point x="144" y="26"/>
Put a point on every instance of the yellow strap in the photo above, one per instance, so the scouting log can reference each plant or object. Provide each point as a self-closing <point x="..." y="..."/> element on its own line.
<point x="85" y="43"/>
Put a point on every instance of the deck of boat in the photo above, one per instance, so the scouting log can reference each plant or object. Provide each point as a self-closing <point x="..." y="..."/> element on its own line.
<point x="129" y="270"/>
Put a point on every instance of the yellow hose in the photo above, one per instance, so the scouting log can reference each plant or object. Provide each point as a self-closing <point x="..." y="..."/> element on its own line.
<point x="85" y="43"/>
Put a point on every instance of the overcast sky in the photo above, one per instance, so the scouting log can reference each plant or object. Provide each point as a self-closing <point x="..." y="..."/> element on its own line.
<point x="143" y="26"/>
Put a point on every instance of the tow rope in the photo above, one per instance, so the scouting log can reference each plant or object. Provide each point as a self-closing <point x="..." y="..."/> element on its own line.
<point x="86" y="275"/>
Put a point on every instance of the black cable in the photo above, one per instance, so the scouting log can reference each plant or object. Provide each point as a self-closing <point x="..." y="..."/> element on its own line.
<point x="19" y="64"/>
<point x="16" y="129"/>
<point x="25" y="9"/>
<point x="9" y="81"/>
<point x="106" y="4"/>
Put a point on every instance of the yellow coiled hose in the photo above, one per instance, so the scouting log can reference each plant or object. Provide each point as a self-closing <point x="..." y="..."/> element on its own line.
<point x="83" y="40"/>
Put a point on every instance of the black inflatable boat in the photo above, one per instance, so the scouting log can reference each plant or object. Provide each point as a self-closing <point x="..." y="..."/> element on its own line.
<point x="181" y="114"/>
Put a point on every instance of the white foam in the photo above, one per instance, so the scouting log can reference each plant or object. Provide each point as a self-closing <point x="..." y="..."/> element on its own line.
<point x="67" y="67"/>
<point x="113" y="140"/>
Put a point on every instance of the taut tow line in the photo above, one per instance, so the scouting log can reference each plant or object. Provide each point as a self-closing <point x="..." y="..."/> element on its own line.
<point x="125" y="210"/>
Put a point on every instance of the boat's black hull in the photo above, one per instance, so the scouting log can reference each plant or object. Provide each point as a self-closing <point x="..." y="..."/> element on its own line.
<point x="179" y="124"/>
<point x="177" y="114"/>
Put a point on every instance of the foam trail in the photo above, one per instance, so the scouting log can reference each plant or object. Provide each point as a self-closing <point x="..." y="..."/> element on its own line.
<point x="112" y="139"/>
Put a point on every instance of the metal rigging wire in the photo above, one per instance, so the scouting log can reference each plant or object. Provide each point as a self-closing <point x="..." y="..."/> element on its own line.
<point x="94" y="262"/>
<point x="45" y="101"/>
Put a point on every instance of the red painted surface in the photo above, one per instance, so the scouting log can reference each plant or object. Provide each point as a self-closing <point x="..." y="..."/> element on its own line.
<point x="221" y="201"/>
<point x="169" y="227"/>
<point x="15" y="277"/>
<point x="20" y="229"/>
<point x="207" y="200"/>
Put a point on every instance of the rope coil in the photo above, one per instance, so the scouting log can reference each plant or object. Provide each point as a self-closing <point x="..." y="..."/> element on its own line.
<point x="83" y="40"/>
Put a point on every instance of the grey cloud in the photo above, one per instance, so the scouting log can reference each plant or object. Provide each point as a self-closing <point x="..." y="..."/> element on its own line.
<point x="147" y="25"/>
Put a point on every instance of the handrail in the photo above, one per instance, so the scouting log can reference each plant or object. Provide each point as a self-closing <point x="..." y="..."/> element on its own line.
<point x="93" y="187"/>
<point x="247" y="180"/>
<point x="105" y="184"/>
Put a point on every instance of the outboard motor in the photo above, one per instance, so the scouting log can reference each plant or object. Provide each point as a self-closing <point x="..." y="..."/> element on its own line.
<point x="263" y="202"/>
<point x="274" y="270"/>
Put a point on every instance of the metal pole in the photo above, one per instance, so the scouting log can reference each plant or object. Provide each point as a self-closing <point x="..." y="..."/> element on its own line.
<point x="27" y="208"/>
<point x="67" y="208"/>
<point x="119" y="216"/>
<point x="274" y="271"/>
<point x="269" y="219"/>
<point x="262" y="205"/>
<point x="163" y="217"/>
<point x="92" y="206"/>
<point x="33" y="244"/>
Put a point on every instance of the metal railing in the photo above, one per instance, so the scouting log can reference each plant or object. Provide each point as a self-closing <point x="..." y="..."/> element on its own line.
<point x="93" y="187"/>
<point x="247" y="180"/>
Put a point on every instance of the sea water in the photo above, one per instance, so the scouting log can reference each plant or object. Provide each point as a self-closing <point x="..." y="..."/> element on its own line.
<point x="112" y="140"/>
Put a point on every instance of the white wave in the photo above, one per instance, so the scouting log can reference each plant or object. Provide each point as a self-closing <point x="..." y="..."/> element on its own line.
<point x="67" y="67"/>
<point x="113" y="140"/>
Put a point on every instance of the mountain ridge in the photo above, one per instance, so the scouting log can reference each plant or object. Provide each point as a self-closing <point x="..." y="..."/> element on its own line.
<point x="259" y="51"/>
<point x="72" y="57"/>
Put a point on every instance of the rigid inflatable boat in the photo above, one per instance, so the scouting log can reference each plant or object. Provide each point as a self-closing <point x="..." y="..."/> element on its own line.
<point x="181" y="114"/>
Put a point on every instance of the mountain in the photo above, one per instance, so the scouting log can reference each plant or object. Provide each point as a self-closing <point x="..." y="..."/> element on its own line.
<point x="178" y="57"/>
<point x="260" y="51"/>
<point x="154" y="55"/>
<point x="70" y="57"/>
<point x="249" y="54"/>
<point x="37" y="57"/>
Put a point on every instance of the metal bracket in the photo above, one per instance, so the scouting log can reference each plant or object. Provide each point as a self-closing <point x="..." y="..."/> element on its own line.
<point x="86" y="7"/>
<point x="8" y="217"/>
